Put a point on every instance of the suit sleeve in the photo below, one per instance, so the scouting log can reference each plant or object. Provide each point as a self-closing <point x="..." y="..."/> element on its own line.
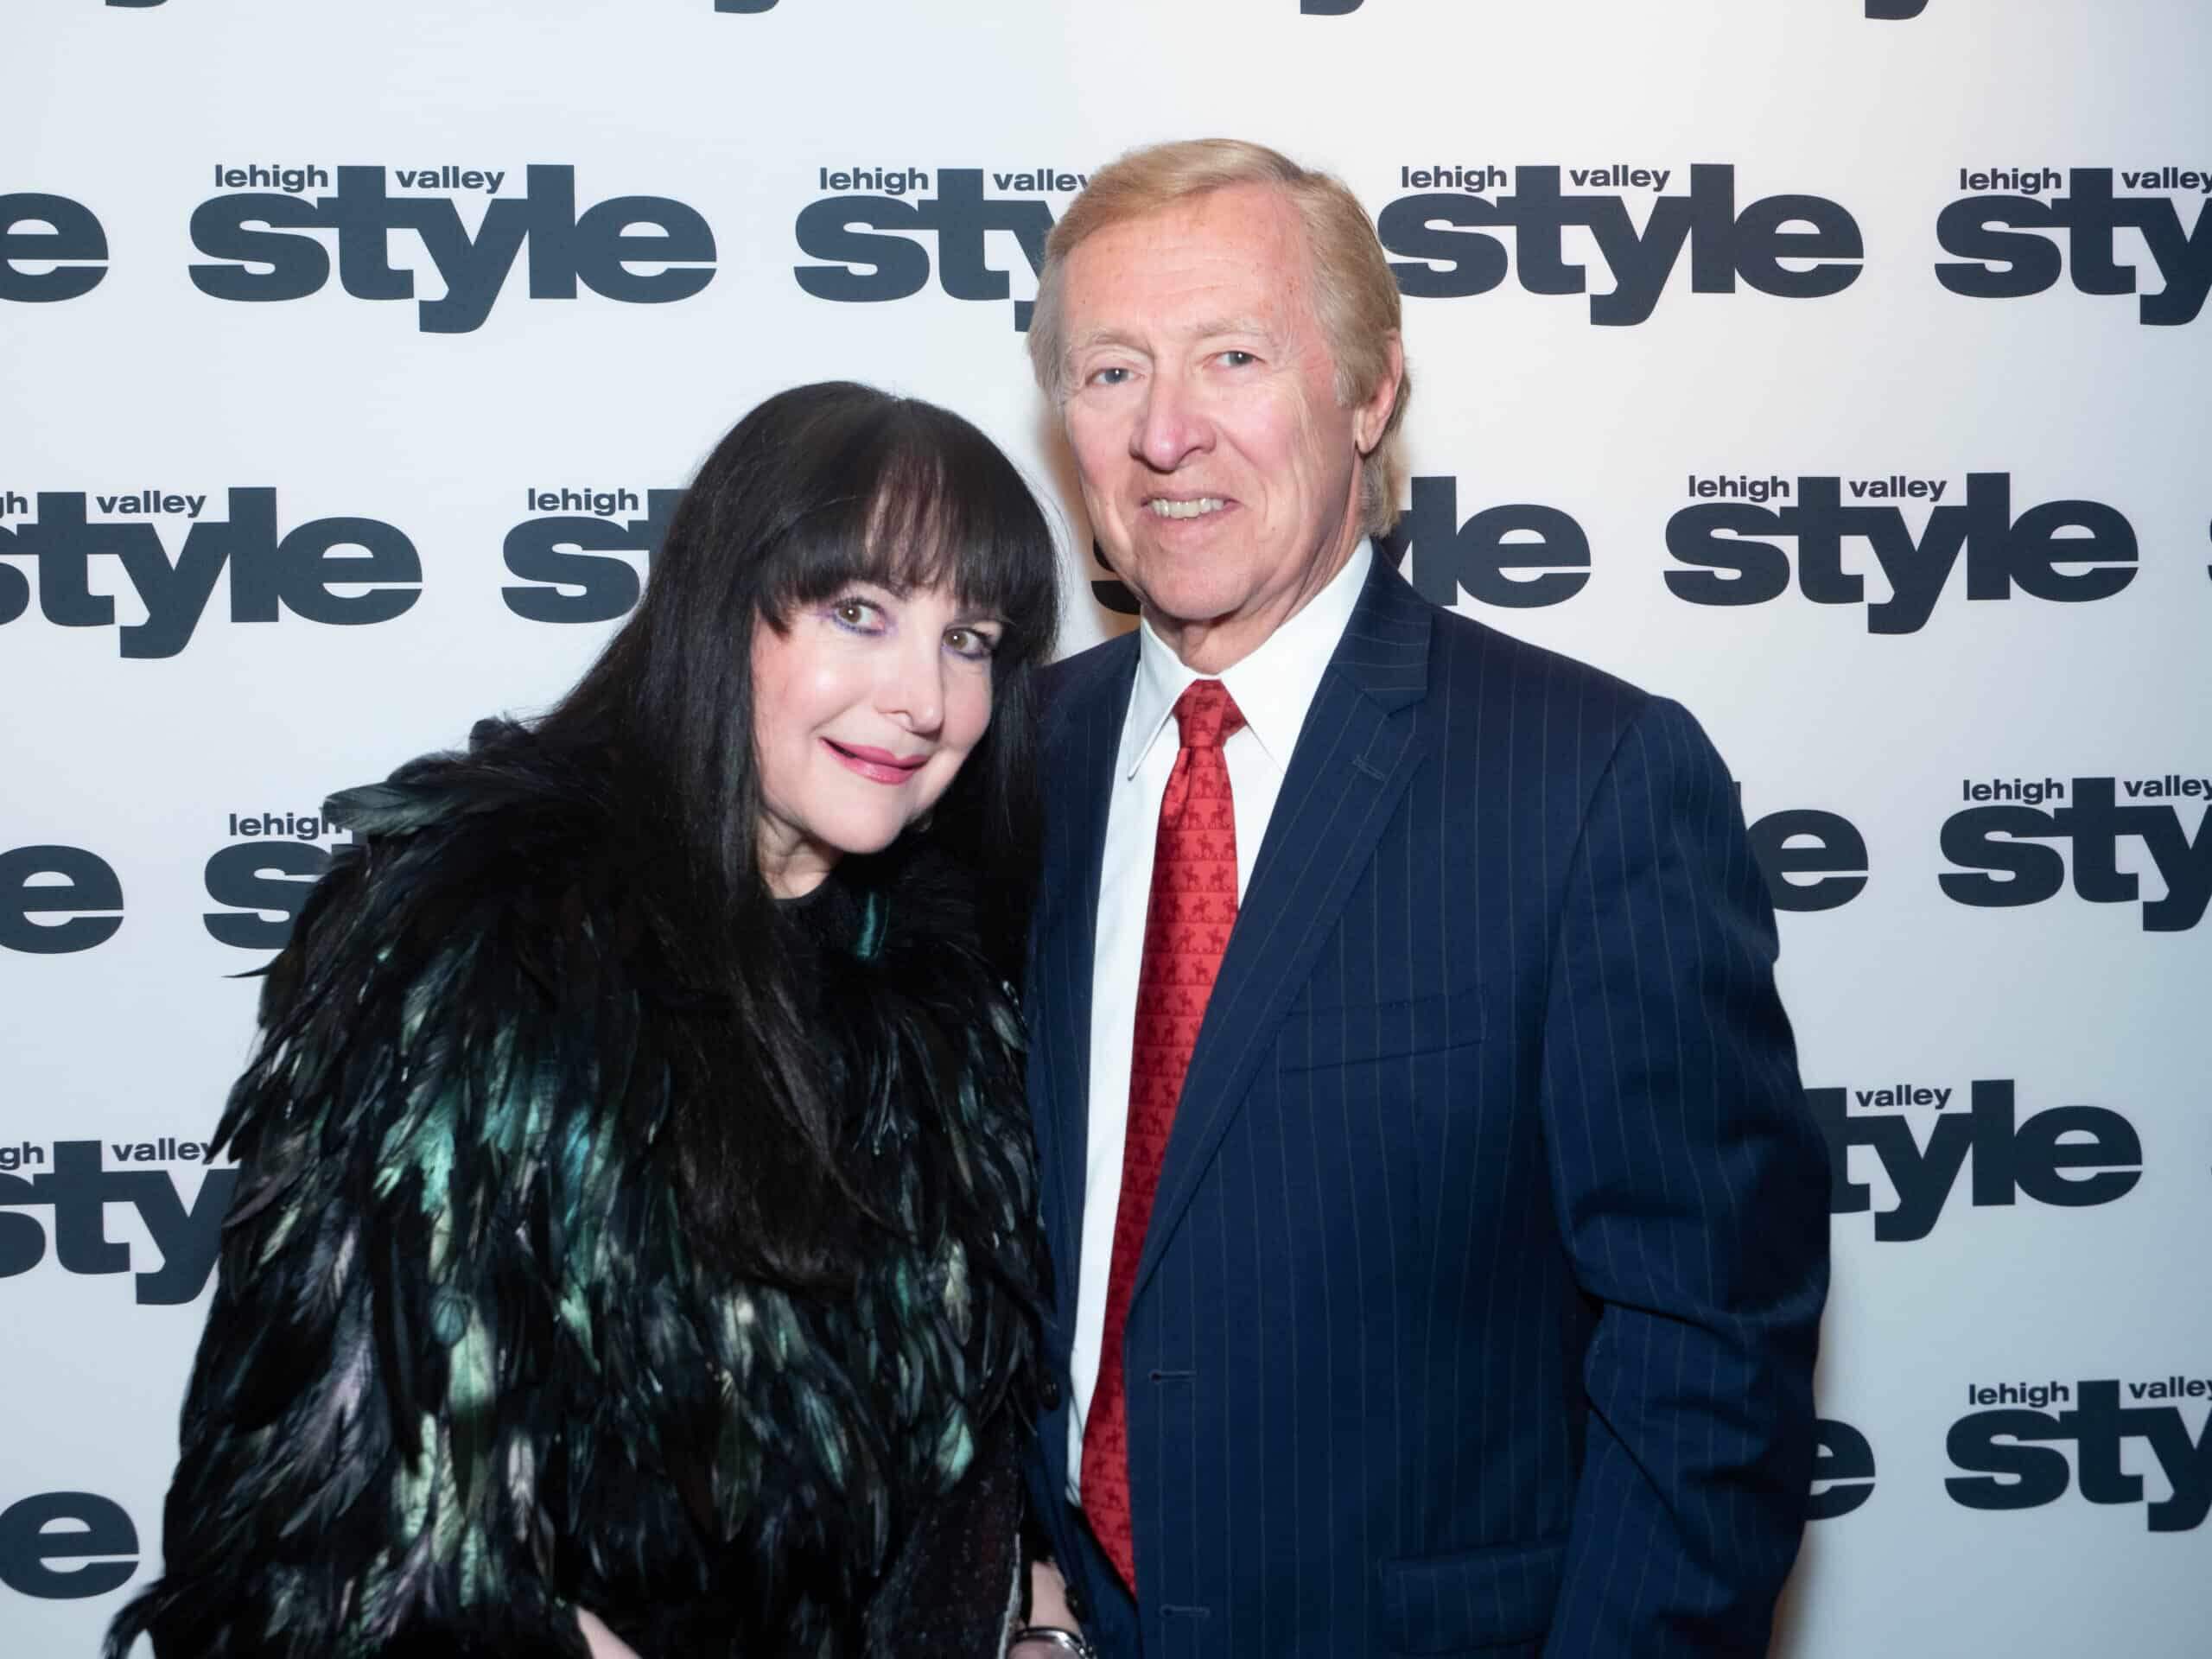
<point x="1691" y="1188"/>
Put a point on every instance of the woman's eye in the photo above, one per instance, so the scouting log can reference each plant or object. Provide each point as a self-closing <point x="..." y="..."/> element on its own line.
<point x="855" y="613"/>
<point x="970" y="642"/>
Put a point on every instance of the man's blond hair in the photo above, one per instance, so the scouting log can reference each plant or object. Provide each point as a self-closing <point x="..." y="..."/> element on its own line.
<point x="1355" y="297"/>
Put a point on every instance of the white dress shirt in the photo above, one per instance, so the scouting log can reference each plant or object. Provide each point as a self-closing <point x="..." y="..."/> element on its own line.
<point x="1273" y="687"/>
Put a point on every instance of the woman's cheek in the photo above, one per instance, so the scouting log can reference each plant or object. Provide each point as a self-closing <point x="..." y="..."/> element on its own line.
<point x="979" y="705"/>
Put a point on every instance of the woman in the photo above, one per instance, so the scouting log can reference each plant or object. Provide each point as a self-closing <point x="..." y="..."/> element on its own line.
<point x="636" y="1232"/>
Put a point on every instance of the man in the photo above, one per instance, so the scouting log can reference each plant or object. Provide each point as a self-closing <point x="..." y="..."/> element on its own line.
<point x="1440" y="1240"/>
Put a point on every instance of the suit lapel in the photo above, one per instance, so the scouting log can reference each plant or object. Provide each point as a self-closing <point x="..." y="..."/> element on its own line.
<point x="1357" y="752"/>
<point x="1079" y="760"/>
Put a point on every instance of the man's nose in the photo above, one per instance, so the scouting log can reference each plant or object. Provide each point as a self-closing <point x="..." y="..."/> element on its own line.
<point x="1171" y="428"/>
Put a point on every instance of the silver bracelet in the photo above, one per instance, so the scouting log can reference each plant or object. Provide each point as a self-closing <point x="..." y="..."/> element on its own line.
<point x="1054" y="1636"/>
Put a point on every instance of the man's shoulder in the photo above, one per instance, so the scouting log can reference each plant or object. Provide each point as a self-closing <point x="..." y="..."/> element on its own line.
<point x="1069" y="683"/>
<point x="1475" y="665"/>
<point x="1552" y="710"/>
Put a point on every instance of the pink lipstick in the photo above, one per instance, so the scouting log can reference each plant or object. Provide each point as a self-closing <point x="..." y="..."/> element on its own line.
<point x="877" y="766"/>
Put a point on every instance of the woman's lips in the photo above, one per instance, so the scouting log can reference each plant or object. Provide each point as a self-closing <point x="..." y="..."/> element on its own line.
<point x="877" y="766"/>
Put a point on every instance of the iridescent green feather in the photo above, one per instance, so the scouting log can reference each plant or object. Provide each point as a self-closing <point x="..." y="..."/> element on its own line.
<point x="464" y="1370"/>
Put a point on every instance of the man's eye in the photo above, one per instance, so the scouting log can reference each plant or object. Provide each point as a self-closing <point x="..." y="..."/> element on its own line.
<point x="1238" y="359"/>
<point x="1109" y="376"/>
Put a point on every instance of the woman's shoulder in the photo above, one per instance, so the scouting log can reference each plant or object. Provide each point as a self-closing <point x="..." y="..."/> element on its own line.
<point x="507" y="807"/>
<point x="479" y="926"/>
<point x="473" y="875"/>
<point x="456" y="984"/>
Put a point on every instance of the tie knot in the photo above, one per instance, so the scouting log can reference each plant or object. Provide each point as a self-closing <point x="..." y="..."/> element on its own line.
<point x="1206" y="716"/>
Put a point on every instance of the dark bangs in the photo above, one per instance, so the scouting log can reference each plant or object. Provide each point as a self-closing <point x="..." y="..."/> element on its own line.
<point x="911" y="496"/>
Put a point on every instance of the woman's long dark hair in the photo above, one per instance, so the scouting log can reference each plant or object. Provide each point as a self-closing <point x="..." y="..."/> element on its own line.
<point x="819" y="487"/>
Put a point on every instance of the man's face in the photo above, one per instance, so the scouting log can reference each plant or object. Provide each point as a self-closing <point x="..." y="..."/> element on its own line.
<point x="1220" y="472"/>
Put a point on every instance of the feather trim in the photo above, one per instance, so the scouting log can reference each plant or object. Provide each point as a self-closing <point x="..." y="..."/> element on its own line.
<point x="464" y="1371"/>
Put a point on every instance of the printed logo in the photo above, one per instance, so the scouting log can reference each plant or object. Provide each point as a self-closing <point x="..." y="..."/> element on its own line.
<point x="2014" y="1461"/>
<point x="747" y="6"/>
<point x="78" y="1189"/>
<point x="78" y="889"/>
<point x="1329" y="8"/>
<point x="1517" y="556"/>
<point x="2070" y="1157"/>
<point x="2067" y="552"/>
<point x="263" y="876"/>
<point x="66" y="1545"/>
<point x="1811" y="860"/>
<point x="635" y="250"/>
<point x="1895" y="8"/>
<point x="299" y="571"/>
<point x="1843" y="1471"/>
<point x="2014" y="848"/>
<point x="59" y="241"/>
<point x="585" y="556"/>
<point x="874" y="242"/>
<point x="1449" y="236"/>
<point x="2026" y="228"/>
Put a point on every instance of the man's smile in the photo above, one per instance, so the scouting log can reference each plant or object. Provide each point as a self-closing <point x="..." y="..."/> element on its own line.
<point x="1163" y="506"/>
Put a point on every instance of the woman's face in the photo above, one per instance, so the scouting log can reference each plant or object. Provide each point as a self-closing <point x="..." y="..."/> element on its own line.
<point x="863" y="708"/>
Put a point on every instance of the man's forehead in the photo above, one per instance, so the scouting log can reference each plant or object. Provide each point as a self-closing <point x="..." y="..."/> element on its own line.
<point x="1231" y="260"/>
<point x="1235" y="216"/>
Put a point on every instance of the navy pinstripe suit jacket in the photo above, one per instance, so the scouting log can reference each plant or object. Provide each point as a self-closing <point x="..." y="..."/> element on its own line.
<point x="1478" y="1306"/>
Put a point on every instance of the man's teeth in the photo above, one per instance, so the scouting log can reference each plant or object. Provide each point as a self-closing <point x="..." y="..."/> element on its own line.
<point x="1205" y="504"/>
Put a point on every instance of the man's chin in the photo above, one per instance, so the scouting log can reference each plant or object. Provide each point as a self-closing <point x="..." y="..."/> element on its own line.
<point x="1183" y="582"/>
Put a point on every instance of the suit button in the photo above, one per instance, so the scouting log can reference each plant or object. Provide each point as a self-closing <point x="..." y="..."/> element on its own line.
<point x="1050" y="1393"/>
<point x="1079" y="1605"/>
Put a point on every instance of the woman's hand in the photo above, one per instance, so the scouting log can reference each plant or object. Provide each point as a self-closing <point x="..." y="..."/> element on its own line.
<point x="603" y="1642"/>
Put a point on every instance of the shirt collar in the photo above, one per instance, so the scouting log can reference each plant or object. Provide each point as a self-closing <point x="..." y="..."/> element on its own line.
<point x="1273" y="687"/>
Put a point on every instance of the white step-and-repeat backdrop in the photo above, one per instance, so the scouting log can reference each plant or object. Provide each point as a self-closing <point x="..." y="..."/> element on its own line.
<point x="1838" y="366"/>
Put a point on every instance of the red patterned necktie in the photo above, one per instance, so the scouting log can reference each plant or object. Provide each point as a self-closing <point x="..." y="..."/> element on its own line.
<point x="1186" y="925"/>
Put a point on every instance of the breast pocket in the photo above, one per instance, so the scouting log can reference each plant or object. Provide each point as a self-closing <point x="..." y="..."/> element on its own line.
<point x="1477" y="1601"/>
<point x="1350" y="1034"/>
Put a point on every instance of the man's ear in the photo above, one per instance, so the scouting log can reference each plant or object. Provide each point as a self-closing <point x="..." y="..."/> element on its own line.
<point x="1372" y="418"/>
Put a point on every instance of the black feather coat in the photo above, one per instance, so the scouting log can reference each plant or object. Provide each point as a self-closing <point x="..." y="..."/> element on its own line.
<point x="466" y="1370"/>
